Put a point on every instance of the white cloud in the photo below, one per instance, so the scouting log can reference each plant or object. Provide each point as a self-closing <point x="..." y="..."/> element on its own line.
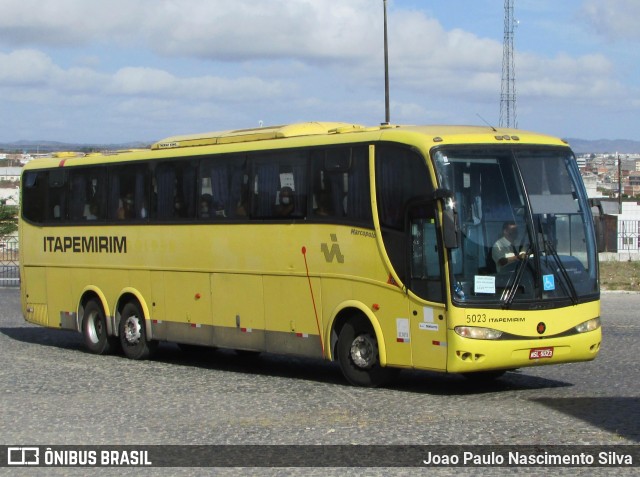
<point x="614" y="19"/>
<point x="34" y="69"/>
<point x="198" y="61"/>
<point x="237" y="30"/>
<point x="65" y="23"/>
<point x="344" y="37"/>
<point x="588" y="77"/>
<point x="312" y="30"/>
<point x="149" y="82"/>
<point x="26" y="68"/>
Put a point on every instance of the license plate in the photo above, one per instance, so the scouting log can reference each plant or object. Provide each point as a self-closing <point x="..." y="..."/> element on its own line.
<point x="540" y="353"/>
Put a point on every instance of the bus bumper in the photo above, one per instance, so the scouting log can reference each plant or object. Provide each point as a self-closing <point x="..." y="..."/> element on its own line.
<point x="467" y="355"/>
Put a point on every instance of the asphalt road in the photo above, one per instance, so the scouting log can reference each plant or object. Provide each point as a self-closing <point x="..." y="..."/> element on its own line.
<point x="53" y="392"/>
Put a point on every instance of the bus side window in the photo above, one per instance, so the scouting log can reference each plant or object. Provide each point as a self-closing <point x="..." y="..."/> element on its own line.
<point x="128" y="192"/>
<point x="34" y="195"/>
<point x="57" y="207"/>
<point x="88" y="193"/>
<point x="341" y="184"/>
<point x="401" y="175"/>
<point x="220" y="188"/>
<point x="280" y="185"/>
<point x="175" y="191"/>
<point x="425" y="260"/>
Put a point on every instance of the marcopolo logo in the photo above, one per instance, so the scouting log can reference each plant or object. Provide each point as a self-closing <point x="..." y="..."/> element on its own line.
<point x="23" y="456"/>
<point x="334" y="252"/>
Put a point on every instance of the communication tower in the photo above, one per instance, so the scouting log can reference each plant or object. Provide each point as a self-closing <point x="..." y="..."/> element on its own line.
<point x="508" y="87"/>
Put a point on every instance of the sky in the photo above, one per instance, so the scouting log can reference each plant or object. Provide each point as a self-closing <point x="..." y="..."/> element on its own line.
<point x="95" y="71"/>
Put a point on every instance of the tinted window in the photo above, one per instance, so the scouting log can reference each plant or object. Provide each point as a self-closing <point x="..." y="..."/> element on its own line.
<point x="341" y="188"/>
<point x="88" y="194"/>
<point x="401" y="175"/>
<point x="174" y="191"/>
<point x="280" y="185"/>
<point x="223" y="190"/>
<point x="128" y="192"/>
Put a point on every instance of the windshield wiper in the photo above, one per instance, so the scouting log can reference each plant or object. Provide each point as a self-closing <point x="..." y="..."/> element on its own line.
<point x="510" y="291"/>
<point x="563" y="270"/>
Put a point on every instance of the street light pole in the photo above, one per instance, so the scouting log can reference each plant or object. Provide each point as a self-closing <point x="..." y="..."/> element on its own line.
<point x="387" y="114"/>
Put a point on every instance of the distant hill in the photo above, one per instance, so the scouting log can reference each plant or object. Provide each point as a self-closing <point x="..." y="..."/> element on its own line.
<point x="54" y="146"/>
<point x="603" y="146"/>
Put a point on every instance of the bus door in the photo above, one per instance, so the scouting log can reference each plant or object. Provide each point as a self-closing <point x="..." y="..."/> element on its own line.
<point x="425" y="282"/>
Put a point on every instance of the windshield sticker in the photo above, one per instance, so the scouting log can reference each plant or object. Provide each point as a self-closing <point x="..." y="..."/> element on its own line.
<point x="484" y="284"/>
<point x="548" y="282"/>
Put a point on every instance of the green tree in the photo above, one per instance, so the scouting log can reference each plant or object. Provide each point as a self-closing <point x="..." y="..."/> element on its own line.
<point x="8" y="218"/>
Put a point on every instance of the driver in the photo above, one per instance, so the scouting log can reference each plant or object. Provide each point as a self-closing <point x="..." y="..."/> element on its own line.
<point x="504" y="251"/>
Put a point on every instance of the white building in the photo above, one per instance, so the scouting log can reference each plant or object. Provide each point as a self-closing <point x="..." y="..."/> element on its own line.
<point x="11" y="174"/>
<point x="9" y="195"/>
<point x="628" y="233"/>
<point x="591" y="185"/>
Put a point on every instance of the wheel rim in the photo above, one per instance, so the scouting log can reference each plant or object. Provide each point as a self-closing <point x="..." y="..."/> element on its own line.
<point x="132" y="330"/>
<point x="364" y="351"/>
<point x="94" y="328"/>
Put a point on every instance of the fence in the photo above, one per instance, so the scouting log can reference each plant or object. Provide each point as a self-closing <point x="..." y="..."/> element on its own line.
<point x="628" y="232"/>
<point x="9" y="270"/>
<point x="621" y="239"/>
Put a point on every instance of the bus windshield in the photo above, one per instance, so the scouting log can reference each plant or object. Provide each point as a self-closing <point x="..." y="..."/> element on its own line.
<point x="527" y="233"/>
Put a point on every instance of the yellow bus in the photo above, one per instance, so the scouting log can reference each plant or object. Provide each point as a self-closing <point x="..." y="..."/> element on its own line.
<point x="376" y="247"/>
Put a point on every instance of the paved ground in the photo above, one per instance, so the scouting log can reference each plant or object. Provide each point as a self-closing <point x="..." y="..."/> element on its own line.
<point x="54" y="392"/>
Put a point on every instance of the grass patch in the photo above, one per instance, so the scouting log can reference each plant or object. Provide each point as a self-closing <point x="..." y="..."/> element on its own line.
<point x="620" y="275"/>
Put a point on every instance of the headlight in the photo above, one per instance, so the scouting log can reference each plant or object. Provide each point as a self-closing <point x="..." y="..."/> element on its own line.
<point x="477" y="333"/>
<point x="590" y="325"/>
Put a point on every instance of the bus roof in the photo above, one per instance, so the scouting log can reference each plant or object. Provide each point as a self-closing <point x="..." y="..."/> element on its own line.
<point x="455" y="134"/>
<point x="423" y="137"/>
<point x="257" y="134"/>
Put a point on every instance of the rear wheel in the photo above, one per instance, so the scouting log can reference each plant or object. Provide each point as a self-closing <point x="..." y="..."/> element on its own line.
<point x="133" y="335"/>
<point x="358" y="354"/>
<point x="94" y="329"/>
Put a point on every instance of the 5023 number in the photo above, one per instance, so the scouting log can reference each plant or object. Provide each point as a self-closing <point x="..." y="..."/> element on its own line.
<point x="477" y="318"/>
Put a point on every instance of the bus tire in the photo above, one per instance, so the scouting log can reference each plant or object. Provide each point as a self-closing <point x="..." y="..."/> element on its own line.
<point x="358" y="355"/>
<point x="94" y="329"/>
<point x="133" y="335"/>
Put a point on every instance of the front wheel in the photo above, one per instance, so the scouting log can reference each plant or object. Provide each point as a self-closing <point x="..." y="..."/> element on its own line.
<point x="358" y="354"/>
<point x="94" y="330"/>
<point x="133" y="336"/>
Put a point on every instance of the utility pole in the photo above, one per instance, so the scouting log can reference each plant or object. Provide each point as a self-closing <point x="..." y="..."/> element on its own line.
<point x="619" y="183"/>
<point x="387" y="114"/>
<point x="508" y="86"/>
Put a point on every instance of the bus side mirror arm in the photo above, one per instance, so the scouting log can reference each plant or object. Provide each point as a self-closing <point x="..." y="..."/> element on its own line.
<point x="450" y="221"/>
